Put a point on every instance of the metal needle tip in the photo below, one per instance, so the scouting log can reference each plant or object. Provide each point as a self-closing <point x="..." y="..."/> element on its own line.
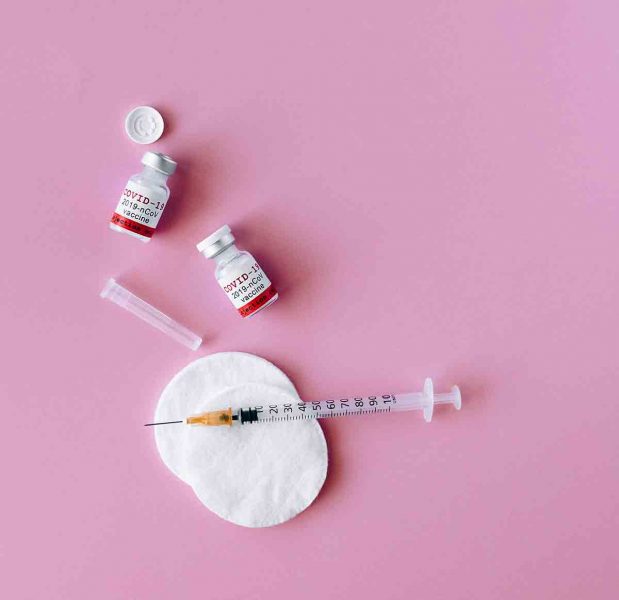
<point x="163" y="423"/>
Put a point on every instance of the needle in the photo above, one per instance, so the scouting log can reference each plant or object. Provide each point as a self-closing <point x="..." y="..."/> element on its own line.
<point x="164" y="423"/>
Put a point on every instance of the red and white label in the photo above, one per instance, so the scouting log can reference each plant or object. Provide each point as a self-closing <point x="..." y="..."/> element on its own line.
<point x="249" y="289"/>
<point x="139" y="209"/>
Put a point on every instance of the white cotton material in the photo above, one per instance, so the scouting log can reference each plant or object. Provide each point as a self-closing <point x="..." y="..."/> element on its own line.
<point x="254" y="475"/>
<point x="192" y="389"/>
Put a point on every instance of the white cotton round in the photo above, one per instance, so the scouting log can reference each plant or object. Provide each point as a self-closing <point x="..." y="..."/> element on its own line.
<point x="253" y="475"/>
<point x="256" y="475"/>
<point x="192" y="389"/>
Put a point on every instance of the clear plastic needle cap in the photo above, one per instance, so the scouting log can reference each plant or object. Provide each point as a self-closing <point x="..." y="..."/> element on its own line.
<point x="129" y="301"/>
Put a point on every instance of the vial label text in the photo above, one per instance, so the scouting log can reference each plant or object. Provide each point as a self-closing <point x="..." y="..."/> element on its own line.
<point x="139" y="209"/>
<point x="249" y="289"/>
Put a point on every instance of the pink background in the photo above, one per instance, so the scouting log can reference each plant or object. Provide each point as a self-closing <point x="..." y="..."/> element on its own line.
<point x="433" y="188"/>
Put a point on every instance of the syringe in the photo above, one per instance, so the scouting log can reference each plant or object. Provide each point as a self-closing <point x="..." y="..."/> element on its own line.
<point x="325" y="409"/>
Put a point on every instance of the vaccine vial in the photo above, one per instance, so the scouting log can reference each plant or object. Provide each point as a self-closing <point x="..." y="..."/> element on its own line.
<point x="144" y="198"/>
<point x="238" y="273"/>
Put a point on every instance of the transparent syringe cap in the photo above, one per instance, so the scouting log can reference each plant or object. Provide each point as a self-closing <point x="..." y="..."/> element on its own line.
<point x="121" y="296"/>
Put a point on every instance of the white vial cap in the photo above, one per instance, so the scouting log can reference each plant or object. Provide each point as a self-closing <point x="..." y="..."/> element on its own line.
<point x="216" y="242"/>
<point x="144" y="125"/>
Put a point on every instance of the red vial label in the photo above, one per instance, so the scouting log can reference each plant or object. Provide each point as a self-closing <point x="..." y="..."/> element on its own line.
<point x="248" y="288"/>
<point x="258" y="302"/>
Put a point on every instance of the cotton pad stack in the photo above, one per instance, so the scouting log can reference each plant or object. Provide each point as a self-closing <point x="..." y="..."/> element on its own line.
<point x="255" y="476"/>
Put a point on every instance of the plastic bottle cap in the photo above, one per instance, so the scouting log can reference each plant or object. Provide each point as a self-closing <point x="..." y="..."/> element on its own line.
<point x="216" y="242"/>
<point x="144" y="125"/>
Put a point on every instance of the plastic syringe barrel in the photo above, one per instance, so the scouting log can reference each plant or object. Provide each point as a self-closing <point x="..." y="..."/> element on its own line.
<point x="343" y="407"/>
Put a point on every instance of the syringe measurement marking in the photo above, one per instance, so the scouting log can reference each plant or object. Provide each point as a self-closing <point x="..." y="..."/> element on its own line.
<point x="317" y="409"/>
<point x="323" y="415"/>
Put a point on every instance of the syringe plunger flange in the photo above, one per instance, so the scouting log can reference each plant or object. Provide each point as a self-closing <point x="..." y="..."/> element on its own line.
<point x="430" y="399"/>
<point x="428" y="393"/>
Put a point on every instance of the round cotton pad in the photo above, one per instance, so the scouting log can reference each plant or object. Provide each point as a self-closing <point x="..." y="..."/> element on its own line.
<point x="251" y="475"/>
<point x="192" y="388"/>
<point x="256" y="475"/>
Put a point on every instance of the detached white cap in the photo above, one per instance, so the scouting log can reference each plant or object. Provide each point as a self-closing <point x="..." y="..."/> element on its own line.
<point x="144" y="125"/>
<point x="216" y="242"/>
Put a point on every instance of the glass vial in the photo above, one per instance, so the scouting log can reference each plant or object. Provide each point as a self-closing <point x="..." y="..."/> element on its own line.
<point x="144" y="198"/>
<point x="238" y="273"/>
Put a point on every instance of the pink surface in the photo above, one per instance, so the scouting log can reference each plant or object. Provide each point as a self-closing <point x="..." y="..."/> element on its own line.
<point x="432" y="187"/>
